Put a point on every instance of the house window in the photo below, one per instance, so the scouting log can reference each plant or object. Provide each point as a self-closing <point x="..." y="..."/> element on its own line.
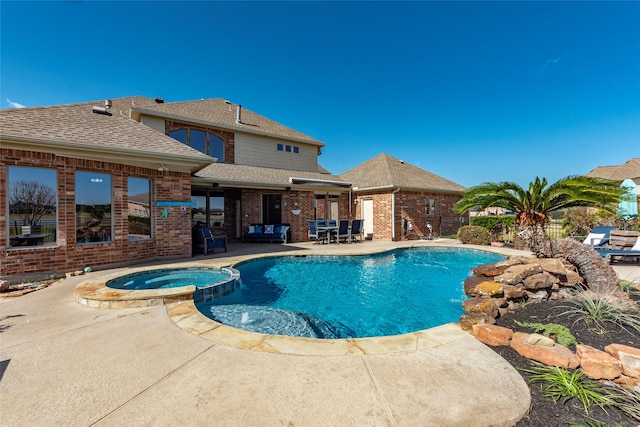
<point x="139" y="208"/>
<point x="205" y="142"/>
<point x="296" y="149"/>
<point x="280" y="147"/>
<point x="430" y="206"/>
<point x="288" y="148"/>
<point x="209" y="208"/>
<point x="94" y="205"/>
<point x="32" y="196"/>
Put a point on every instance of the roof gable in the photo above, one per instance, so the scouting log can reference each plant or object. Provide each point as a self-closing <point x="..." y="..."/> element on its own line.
<point x="387" y="171"/>
<point x="220" y="113"/>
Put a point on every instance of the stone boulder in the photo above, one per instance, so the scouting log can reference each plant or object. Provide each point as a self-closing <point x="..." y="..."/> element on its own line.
<point x="468" y="320"/>
<point x="541" y="280"/>
<point x="551" y="265"/>
<point x="517" y="273"/>
<point x="629" y="357"/>
<point x="597" y="364"/>
<point x="470" y="284"/>
<point x="492" y="335"/>
<point x="486" y="306"/>
<point x="555" y="355"/>
<point x="489" y="289"/>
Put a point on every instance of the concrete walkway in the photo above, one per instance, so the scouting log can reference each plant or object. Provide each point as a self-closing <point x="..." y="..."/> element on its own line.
<point x="65" y="364"/>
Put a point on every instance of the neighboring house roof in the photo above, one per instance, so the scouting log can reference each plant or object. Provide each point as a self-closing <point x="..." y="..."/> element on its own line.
<point x="76" y="130"/>
<point x="385" y="171"/>
<point x="220" y="113"/>
<point x="629" y="169"/>
<point x="230" y="175"/>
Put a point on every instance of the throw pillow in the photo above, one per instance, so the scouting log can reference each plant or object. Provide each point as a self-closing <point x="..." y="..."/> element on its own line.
<point x="259" y="229"/>
<point x="252" y="229"/>
<point x="594" y="239"/>
<point x="268" y="229"/>
<point x="636" y="246"/>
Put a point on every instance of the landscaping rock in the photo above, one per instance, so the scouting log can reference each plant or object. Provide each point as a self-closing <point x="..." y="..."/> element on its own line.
<point x="514" y="291"/>
<point x="487" y="306"/>
<point x="551" y="265"/>
<point x="490" y="289"/>
<point x="537" y="339"/>
<point x="597" y="364"/>
<point x="539" y="281"/>
<point x="571" y="278"/>
<point x="470" y="284"/>
<point x="628" y="356"/>
<point x="492" y="335"/>
<point x="468" y="320"/>
<point x="517" y="273"/>
<point x="556" y="355"/>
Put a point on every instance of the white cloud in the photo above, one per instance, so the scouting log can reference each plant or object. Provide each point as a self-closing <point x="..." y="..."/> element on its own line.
<point x="15" y="104"/>
<point x="548" y="64"/>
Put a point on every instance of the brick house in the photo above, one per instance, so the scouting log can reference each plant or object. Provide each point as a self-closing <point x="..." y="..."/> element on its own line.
<point x="78" y="175"/>
<point x="397" y="200"/>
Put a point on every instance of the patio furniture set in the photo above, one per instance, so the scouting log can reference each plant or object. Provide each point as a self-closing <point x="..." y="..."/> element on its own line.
<point x="326" y="231"/>
<point x="614" y="244"/>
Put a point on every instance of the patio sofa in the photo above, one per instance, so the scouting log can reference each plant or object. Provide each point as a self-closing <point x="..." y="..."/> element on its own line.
<point x="268" y="233"/>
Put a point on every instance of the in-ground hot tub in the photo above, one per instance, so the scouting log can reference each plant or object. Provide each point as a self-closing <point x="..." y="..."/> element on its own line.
<point x="210" y="283"/>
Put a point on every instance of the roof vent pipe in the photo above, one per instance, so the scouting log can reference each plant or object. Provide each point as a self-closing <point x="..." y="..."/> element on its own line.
<point x="108" y="104"/>
<point x="239" y="114"/>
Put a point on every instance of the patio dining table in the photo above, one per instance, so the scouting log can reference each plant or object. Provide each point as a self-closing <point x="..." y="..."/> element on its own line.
<point x="329" y="229"/>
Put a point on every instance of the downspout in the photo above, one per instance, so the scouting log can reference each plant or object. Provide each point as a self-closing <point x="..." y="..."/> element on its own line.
<point x="393" y="214"/>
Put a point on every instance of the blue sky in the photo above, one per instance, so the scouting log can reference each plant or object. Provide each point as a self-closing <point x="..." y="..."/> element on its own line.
<point x="471" y="91"/>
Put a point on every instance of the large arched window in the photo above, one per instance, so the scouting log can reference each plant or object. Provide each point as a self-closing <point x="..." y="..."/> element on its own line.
<point x="204" y="142"/>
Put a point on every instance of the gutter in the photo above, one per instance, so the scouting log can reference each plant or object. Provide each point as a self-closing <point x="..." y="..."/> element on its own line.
<point x="393" y="214"/>
<point x="120" y="155"/>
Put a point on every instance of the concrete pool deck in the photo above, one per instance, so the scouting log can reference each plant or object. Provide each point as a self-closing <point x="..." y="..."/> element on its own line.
<point x="62" y="363"/>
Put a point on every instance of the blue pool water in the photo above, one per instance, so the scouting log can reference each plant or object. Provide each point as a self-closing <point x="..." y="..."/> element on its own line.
<point x="397" y="292"/>
<point x="170" y="278"/>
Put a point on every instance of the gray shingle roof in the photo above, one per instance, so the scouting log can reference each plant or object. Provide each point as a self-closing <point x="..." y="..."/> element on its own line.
<point x="228" y="174"/>
<point x="77" y="126"/>
<point x="387" y="171"/>
<point x="629" y="169"/>
<point x="220" y="113"/>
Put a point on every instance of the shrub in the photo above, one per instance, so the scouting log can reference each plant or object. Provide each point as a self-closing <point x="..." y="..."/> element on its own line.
<point x="563" y="334"/>
<point x="490" y="222"/>
<point x="474" y="235"/>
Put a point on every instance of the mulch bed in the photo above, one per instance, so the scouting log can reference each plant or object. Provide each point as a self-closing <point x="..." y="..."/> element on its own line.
<point x="544" y="411"/>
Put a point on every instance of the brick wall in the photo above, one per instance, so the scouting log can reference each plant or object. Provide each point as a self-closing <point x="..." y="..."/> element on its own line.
<point x="171" y="236"/>
<point x="410" y="206"/>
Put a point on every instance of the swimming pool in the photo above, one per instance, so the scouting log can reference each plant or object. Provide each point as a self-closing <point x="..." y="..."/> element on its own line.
<point x="397" y="292"/>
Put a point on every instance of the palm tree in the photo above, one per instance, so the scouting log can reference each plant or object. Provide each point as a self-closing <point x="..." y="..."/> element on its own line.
<point x="533" y="207"/>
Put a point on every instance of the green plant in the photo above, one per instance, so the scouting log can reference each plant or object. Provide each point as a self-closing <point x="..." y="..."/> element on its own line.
<point x="626" y="400"/>
<point x="474" y="235"/>
<point x="562" y="333"/>
<point x="489" y="222"/>
<point x="629" y="288"/>
<point x="534" y="205"/>
<point x="560" y="383"/>
<point x="600" y="311"/>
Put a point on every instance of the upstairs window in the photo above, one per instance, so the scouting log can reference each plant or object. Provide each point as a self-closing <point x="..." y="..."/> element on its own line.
<point x="205" y="142"/>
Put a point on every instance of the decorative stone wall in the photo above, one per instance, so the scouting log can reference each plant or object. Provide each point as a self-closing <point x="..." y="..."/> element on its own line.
<point x="497" y="287"/>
